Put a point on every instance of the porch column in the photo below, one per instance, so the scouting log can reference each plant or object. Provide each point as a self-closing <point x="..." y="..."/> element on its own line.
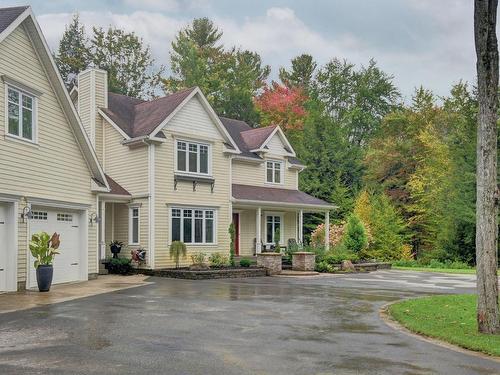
<point x="301" y="227"/>
<point x="102" y="223"/>
<point x="258" y="229"/>
<point x="327" y="230"/>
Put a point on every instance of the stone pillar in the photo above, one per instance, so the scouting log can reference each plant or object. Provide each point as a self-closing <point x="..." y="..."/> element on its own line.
<point x="303" y="261"/>
<point x="258" y="230"/>
<point x="327" y="230"/>
<point x="270" y="261"/>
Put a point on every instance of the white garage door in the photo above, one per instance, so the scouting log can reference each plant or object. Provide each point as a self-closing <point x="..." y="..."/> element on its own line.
<point x="67" y="265"/>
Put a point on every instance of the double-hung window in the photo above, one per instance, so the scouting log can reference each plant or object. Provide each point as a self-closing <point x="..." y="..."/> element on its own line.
<point x="133" y="226"/>
<point x="193" y="157"/>
<point x="193" y="225"/>
<point x="21" y="114"/>
<point x="274" y="171"/>
<point x="273" y="228"/>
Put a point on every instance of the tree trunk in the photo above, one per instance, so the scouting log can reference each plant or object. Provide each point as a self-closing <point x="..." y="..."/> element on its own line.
<point x="485" y="12"/>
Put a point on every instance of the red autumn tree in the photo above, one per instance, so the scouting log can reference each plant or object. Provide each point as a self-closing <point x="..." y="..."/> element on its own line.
<point x="283" y="106"/>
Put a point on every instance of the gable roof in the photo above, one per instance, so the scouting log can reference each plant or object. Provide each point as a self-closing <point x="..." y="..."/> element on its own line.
<point x="10" y="19"/>
<point x="116" y="188"/>
<point x="251" y="139"/>
<point x="9" y="15"/>
<point x="137" y="117"/>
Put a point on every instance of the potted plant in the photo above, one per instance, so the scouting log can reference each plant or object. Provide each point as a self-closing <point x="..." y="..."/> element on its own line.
<point x="115" y="247"/>
<point x="43" y="248"/>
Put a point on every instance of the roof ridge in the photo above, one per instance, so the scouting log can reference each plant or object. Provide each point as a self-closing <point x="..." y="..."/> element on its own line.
<point x="261" y="128"/>
<point x="167" y="96"/>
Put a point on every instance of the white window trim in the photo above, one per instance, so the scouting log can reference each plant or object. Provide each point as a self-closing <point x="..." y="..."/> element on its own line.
<point x="187" y="172"/>
<point x="282" y="171"/>
<point x="282" y="226"/>
<point x="34" y="130"/>
<point x="130" y="224"/>
<point x="182" y="208"/>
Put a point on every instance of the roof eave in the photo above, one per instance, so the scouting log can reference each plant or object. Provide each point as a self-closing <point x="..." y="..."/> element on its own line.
<point x="317" y="207"/>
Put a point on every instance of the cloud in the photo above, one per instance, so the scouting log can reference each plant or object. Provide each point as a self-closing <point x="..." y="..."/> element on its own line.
<point x="157" y="5"/>
<point x="433" y="45"/>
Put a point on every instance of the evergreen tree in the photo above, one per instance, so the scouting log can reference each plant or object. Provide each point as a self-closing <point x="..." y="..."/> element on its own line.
<point x="301" y="73"/>
<point x="229" y="78"/>
<point x="128" y="62"/>
<point x="355" y="239"/>
<point x="73" y="53"/>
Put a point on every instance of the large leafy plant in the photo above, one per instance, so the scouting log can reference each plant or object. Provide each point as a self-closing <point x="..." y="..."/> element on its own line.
<point x="43" y="248"/>
<point x="177" y="250"/>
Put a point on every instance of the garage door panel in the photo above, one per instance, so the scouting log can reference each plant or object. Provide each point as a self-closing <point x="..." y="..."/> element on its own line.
<point x="67" y="264"/>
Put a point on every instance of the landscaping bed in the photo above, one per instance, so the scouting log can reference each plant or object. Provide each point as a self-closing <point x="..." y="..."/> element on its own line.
<point x="450" y="318"/>
<point x="214" y="273"/>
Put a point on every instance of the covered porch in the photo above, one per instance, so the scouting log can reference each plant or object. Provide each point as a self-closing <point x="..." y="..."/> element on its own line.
<point x="261" y="214"/>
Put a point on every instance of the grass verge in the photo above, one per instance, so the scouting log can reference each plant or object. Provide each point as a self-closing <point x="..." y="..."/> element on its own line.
<point x="442" y="270"/>
<point x="451" y="318"/>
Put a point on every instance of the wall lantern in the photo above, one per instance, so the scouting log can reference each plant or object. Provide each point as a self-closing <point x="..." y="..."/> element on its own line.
<point x="93" y="218"/>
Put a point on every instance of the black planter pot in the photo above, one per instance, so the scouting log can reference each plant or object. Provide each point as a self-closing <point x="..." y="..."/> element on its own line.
<point x="44" y="275"/>
<point x="115" y="250"/>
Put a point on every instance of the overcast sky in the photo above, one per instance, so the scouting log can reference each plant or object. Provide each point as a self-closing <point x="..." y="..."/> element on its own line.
<point x="419" y="42"/>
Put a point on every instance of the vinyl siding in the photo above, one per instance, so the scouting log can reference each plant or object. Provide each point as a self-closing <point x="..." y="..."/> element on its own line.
<point x="127" y="166"/>
<point x="55" y="168"/>
<point x="255" y="174"/>
<point x="191" y="119"/>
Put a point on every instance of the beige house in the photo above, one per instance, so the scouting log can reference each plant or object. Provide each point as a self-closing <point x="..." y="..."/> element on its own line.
<point x="96" y="167"/>
<point x="49" y="174"/>
<point x="177" y="171"/>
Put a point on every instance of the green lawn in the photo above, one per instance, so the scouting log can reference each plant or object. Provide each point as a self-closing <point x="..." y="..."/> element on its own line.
<point x="450" y="318"/>
<point x="442" y="270"/>
<point x="428" y="269"/>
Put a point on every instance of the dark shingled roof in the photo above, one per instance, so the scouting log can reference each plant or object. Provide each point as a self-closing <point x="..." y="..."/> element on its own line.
<point x="116" y="189"/>
<point x="264" y="194"/>
<point x="137" y="117"/>
<point x="248" y="138"/>
<point x="9" y="15"/>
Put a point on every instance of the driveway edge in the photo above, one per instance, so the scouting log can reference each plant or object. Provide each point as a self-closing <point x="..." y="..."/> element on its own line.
<point x="389" y="321"/>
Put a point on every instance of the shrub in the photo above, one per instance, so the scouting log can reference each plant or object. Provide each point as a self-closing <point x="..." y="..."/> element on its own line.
<point x="324" y="267"/>
<point x="244" y="262"/>
<point x="338" y="257"/>
<point x="336" y="234"/>
<point x="277" y="237"/>
<point x="177" y="249"/>
<point x="406" y="263"/>
<point x="318" y="250"/>
<point x="120" y="266"/>
<point x="198" y="259"/>
<point x="355" y="239"/>
<point x="218" y="260"/>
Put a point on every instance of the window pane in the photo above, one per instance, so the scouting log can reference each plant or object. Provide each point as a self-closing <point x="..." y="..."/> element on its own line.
<point x="209" y="225"/>
<point x="181" y="156"/>
<point x="27" y="123"/>
<point x="193" y="157"/>
<point x="269" y="232"/>
<point x="176" y="229"/>
<point x="13" y="119"/>
<point x="269" y="175"/>
<point x="13" y="96"/>
<point x="277" y="172"/>
<point x="187" y="221"/>
<point x="135" y="230"/>
<point x="203" y="159"/>
<point x="198" y="230"/>
<point x="27" y="102"/>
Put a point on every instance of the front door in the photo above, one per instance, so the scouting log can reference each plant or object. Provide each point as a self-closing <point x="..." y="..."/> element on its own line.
<point x="236" y="223"/>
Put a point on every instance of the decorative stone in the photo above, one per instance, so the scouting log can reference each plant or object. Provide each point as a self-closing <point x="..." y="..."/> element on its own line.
<point x="303" y="261"/>
<point x="270" y="261"/>
<point x="347" y="266"/>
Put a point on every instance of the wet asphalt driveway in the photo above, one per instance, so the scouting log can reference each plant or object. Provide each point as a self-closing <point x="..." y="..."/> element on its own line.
<point x="321" y="325"/>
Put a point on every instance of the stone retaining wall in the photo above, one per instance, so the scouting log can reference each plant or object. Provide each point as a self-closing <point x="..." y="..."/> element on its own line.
<point x="206" y="274"/>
